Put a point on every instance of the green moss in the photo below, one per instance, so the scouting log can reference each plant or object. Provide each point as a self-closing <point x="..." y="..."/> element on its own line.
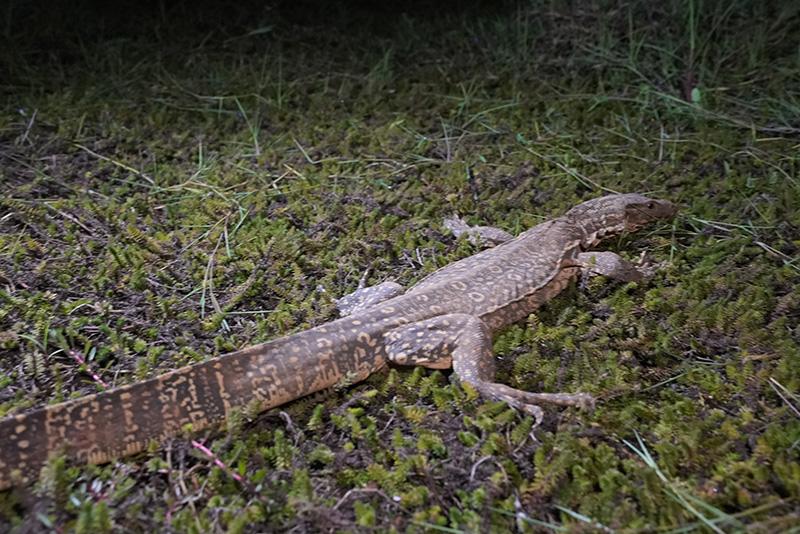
<point x="321" y="455"/>
<point x="365" y="514"/>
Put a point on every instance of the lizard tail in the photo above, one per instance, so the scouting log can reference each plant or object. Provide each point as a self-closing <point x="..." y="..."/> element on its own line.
<point x="113" y="423"/>
<point x="125" y="420"/>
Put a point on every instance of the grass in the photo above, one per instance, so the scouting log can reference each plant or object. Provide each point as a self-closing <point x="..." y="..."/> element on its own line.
<point x="181" y="181"/>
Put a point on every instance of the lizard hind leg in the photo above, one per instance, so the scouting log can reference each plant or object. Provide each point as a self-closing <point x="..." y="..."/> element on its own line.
<point x="367" y="297"/>
<point x="465" y="342"/>
<point x="489" y="236"/>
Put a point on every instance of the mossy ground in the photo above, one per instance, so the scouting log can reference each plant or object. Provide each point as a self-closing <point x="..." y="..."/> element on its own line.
<point x="179" y="181"/>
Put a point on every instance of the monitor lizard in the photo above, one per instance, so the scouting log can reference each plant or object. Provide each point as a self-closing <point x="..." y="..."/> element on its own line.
<point x="446" y="320"/>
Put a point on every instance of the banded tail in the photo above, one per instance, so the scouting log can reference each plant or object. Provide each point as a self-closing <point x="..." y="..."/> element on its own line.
<point x="124" y="420"/>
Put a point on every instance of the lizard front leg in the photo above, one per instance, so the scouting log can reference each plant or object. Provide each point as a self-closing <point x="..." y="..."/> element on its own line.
<point x="612" y="265"/>
<point x="609" y="264"/>
<point x="465" y="342"/>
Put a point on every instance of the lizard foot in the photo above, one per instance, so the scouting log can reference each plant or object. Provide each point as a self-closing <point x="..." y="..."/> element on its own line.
<point x="528" y="402"/>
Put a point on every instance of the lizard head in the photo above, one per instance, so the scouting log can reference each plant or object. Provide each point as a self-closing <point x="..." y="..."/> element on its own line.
<point x="640" y="211"/>
<point x="614" y="214"/>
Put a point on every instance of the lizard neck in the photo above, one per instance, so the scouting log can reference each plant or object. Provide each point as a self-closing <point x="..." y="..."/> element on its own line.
<point x="592" y="230"/>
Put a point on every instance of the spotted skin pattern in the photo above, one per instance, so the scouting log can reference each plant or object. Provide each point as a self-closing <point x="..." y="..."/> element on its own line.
<point x="446" y="320"/>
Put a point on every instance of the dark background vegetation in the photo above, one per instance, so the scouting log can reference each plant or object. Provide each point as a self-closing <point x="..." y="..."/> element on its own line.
<point x="179" y="180"/>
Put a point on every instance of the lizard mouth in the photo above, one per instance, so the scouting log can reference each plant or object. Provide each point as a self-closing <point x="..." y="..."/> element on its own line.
<point x="639" y="215"/>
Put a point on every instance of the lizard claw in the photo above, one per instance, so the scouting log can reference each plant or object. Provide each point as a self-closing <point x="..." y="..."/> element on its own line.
<point x="533" y="410"/>
<point x="584" y="401"/>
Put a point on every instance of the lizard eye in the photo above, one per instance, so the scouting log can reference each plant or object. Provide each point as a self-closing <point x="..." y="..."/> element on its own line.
<point x="650" y="205"/>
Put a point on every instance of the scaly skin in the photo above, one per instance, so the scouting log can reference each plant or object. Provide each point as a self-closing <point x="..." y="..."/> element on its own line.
<point x="445" y="320"/>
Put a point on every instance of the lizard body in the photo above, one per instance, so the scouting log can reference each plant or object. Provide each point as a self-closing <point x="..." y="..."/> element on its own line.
<point x="445" y="320"/>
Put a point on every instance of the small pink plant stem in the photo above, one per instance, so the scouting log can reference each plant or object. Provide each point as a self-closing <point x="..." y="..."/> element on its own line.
<point x="246" y="483"/>
<point x="88" y="370"/>
<point x="205" y="450"/>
